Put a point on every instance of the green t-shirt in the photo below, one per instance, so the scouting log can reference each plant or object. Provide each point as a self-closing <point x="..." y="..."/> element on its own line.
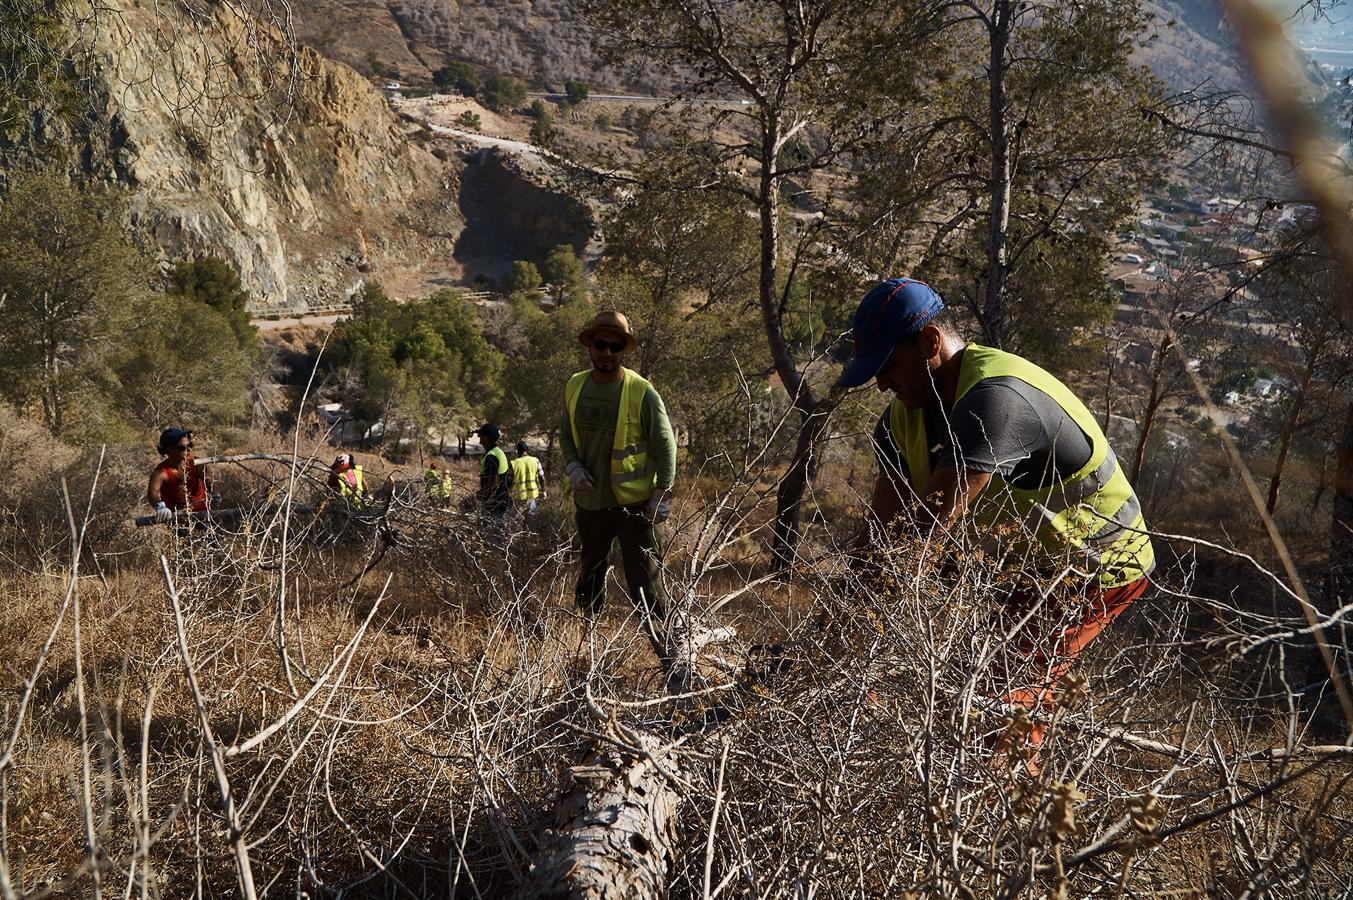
<point x="598" y="408"/>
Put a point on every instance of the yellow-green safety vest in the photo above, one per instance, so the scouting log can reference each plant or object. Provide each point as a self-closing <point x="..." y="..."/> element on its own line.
<point x="438" y="484"/>
<point x="633" y="474"/>
<point x="525" y="483"/>
<point x="1093" y="514"/>
<point x="354" y="493"/>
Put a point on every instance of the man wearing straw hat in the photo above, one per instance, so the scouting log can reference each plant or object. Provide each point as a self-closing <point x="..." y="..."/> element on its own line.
<point x="620" y="457"/>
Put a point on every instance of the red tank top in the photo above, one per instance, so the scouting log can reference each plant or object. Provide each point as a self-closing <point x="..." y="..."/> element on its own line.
<point x="171" y="489"/>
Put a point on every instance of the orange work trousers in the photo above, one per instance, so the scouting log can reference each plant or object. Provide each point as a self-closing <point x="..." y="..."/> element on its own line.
<point x="1051" y="641"/>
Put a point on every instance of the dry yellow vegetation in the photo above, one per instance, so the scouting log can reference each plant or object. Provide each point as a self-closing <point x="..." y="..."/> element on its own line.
<point x="387" y="702"/>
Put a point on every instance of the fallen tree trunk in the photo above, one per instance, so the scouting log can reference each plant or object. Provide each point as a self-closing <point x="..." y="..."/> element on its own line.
<point x="615" y="827"/>
<point x="615" y="830"/>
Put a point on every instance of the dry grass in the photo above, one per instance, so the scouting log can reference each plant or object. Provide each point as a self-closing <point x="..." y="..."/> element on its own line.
<point x="404" y="732"/>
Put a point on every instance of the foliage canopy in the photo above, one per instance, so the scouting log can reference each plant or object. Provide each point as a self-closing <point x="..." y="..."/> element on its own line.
<point x="421" y="366"/>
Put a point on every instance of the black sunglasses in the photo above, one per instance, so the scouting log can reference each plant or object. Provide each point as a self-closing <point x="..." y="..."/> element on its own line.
<point x="613" y="346"/>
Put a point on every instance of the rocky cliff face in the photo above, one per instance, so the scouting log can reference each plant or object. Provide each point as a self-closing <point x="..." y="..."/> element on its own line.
<point x="287" y="164"/>
<point x="542" y="41"/>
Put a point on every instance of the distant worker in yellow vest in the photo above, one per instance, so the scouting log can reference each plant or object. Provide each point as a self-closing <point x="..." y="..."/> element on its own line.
<point x="528" y="479"/>
<point x="620" y="457"/>
<point x="980" y="434"/>
<point x="346" y="477"/>
<point x="494" y="476"/>
<point x="438" y="485"/>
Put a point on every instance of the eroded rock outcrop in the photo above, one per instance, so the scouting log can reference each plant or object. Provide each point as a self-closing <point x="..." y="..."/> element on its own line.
<point x="289" y="165"/>
<point x="511" y="211"/>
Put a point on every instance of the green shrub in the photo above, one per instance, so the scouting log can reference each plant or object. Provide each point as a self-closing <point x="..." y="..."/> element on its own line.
<point x="459" y="76"/>
<point x="502" y="93"/>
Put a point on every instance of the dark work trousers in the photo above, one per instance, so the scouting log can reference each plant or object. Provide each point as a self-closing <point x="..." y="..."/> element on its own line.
<point x="639" y="547"/>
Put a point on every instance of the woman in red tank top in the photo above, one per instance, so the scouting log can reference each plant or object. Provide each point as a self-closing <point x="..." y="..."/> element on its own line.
<point x="177" y="482"/>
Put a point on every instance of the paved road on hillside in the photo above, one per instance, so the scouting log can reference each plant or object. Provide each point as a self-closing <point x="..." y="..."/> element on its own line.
<point x="278" y="324"/>
<point x="637" y="98"/>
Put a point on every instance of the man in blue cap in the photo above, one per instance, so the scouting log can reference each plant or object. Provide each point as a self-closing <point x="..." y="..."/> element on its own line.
<point x="980" y="435"/>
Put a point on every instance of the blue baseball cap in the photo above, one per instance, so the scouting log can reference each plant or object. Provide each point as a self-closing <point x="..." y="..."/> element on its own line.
<point x="892" y="310"/>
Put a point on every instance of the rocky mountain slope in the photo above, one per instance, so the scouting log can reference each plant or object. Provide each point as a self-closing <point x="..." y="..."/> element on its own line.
<point x="234" y="143"/>
<point x="545" y="42"/>
<point x="287" y="164"/>
<point x="541" y="41"/>
<point x="1195" y="48"/>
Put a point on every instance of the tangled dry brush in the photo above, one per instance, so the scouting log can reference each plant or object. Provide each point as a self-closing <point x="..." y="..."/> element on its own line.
<point x="387" y="702"/>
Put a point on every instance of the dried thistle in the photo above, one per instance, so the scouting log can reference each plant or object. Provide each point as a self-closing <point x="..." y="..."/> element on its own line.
<point x="1015" y="730"/>
<point x="1073" y="691"/>
<point x="1146" y="814"/>
<point x="1062" y="811"/>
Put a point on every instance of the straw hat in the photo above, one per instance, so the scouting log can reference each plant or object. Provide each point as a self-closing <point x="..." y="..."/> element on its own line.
<point x="609" y="320"/>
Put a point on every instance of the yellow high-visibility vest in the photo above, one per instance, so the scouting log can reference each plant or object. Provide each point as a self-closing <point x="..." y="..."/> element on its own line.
<point x="438" y="484"/>
<point x="525" y="478"/>
<point x="633" y="474"/>
<point x="353" y="491"/>
<point x="1091" y="519"/>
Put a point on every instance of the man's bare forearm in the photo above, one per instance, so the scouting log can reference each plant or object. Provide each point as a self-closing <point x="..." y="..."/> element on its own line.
<point x="949" y="494"/>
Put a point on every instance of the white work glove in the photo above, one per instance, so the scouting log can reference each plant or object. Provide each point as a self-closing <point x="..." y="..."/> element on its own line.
<point x="659" y="507"/>
<point x="162" y="512"/>
<point x="578" y="474"/>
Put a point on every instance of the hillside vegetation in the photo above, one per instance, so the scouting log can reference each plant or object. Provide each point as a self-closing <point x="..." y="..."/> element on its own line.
<point x="335" y="666"/>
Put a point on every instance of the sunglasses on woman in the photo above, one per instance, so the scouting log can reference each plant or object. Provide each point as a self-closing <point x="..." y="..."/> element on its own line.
<point x="613" y="346"/>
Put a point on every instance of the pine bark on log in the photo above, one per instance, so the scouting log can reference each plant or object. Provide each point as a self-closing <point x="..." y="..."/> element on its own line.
<point x="615" y="828"/>
<point x="615" y="831"/>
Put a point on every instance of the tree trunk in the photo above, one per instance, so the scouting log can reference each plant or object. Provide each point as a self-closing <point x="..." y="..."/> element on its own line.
<point x="615" y="831"/>
<point x="768" y="214"/>
<point x="789" y="498"/>
<point x="1152" y="406"/>
<point x="993" y="308"/>
<point x="51" y="391"/>
<point x="1341" y="532"/>
<point x="802" y="468"/>
<point x="1108" y="388"/>
<point x="1322" y="485"/>
<point x="1289" y="430"/>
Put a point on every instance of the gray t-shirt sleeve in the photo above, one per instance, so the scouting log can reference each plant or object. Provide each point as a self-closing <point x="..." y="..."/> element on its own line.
<point x="1002" y="426"/>
<point x="993" y="428"/>
<point x="1006" y="426"/>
